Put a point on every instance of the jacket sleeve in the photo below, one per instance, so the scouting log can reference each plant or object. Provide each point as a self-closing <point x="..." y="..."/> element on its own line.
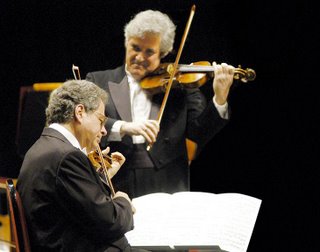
<point x="204" y="121"/>
<point x="87" y="201"/>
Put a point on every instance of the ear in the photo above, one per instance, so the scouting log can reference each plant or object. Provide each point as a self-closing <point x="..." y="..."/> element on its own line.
<point x="79" y="112"/>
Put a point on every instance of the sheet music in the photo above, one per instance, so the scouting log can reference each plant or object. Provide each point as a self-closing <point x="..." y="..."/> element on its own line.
<point x="194" y="218"/>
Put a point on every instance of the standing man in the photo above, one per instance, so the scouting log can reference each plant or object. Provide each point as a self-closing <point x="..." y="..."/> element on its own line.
<point x="68" y="206"/>
<point x="132" y="111"/>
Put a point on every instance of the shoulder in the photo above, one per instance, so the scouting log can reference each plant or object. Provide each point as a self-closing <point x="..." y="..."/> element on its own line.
<point x="100" y="77"/>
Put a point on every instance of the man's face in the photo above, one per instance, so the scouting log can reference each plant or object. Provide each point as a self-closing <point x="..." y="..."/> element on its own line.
<point x="143" y="55"/>
<point x="93" y="128"/>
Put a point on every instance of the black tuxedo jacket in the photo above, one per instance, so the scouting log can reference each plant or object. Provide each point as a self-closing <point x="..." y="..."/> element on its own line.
<point x="67" y="206"/>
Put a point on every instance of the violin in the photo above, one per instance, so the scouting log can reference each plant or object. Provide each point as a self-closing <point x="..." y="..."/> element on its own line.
<point x="97" y="162"/>
<point x="102" y="163"/>
<point x="189" y="76"/>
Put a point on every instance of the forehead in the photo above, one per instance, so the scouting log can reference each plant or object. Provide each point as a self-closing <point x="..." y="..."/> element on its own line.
<point x="149" y="40"/>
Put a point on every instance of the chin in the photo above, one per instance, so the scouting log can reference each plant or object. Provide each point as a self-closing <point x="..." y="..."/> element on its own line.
<point x="138" y="72"/>
<point x="137" y="77"/>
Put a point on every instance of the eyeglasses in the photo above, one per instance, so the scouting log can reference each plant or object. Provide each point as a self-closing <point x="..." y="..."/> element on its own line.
<point x="102" y="118"/>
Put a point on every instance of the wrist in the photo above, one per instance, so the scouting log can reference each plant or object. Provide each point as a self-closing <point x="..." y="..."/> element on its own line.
<point x="218" y="101"/>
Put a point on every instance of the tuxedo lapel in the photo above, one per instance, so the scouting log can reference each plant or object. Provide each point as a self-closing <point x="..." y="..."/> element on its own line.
<point x="120" y="95"/>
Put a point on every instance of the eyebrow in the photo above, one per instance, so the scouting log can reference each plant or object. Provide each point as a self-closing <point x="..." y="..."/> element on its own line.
<point x="105" y="118"/>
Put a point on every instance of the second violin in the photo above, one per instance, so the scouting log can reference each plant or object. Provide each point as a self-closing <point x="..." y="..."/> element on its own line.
<point x="189" y="76"/>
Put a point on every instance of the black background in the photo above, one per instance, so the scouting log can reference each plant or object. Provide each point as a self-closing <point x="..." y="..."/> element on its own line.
<point x="269" y="149"/>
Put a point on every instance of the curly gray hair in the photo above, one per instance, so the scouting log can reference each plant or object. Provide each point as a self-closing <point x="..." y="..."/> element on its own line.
<point x="63" y="100"/>
<point x="151" y="21"/>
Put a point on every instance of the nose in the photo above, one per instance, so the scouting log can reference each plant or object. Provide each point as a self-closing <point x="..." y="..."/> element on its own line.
<point x="140" y="57"/>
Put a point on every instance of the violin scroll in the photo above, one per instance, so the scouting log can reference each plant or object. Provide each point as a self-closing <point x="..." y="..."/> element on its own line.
<point x="244" y="75"/>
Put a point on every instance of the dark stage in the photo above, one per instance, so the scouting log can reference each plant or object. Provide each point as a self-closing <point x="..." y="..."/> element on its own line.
<point x="268" y="150"/>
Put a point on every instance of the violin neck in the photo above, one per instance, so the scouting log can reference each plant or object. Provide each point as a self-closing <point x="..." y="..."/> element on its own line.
<point x="196" y="69"/>
<point x="239" y="73"/>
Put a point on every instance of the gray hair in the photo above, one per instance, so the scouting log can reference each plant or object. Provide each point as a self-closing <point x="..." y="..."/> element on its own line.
<point x="151" y="21"/>
<point x="63" y="100"/>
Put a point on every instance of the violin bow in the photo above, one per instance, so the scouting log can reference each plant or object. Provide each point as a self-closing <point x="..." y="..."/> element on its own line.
<point x="105" y="171"/>
<point x="174" y="69"/>
<point x="76" y="74"/>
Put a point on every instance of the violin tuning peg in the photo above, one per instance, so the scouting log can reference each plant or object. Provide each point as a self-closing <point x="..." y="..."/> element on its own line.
<point x="244" y="80"/>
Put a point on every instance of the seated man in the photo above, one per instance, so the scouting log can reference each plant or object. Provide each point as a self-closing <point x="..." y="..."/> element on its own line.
<point x="68" y="206"/>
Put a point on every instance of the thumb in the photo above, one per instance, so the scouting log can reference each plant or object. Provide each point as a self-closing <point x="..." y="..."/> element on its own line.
<point x="106" y="151"/>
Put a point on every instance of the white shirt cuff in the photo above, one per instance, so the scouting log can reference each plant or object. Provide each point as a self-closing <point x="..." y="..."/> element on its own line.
<point x="222" y="109"/>
<point x="115" y="135"/>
